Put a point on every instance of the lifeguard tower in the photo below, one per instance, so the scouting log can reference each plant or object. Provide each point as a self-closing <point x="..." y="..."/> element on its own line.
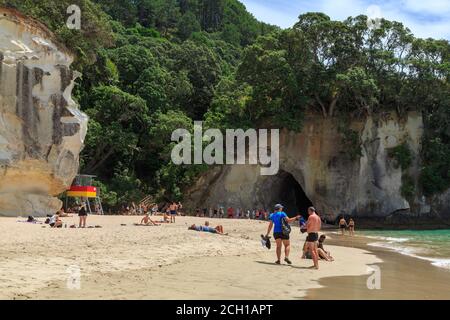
<point x="82" y="188"/>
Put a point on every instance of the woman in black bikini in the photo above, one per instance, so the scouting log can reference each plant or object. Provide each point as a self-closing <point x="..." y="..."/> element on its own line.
<point x="82" y="213"/>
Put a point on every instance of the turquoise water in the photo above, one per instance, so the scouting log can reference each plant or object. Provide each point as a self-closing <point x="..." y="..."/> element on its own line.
<point x="430" y="245"/>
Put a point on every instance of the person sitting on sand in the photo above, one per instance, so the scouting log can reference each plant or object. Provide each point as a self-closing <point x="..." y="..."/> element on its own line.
<point x="216" y="230"/>
<point x="166" y="216"/>
<point x="306" y="252"/>
<point x="323" y="254"/>
<point x="351" y="227"/>
<point x="147" y="221"/>
<point x="55" y="221"/>
<point x="342" y="225"/>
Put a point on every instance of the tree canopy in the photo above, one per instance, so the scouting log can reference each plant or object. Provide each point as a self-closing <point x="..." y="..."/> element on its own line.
<point x="151" y="66"/>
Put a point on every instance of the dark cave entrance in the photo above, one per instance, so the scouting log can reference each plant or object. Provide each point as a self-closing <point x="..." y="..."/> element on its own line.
<point x="290" y="194"/>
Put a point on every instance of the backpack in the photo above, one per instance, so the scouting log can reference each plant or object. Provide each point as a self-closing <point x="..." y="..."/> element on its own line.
<point x="285" y="227"/>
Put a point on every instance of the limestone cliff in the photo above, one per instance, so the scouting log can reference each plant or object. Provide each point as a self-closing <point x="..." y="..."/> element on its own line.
<point x="315" y="169"/>
<point x="41" y="129"/>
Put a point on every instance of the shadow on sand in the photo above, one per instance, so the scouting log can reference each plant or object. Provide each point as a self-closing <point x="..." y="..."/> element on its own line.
<point x="283" y="265"/>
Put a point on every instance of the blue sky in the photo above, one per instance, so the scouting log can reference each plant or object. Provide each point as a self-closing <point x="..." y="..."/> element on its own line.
<point x="425" y="18"/>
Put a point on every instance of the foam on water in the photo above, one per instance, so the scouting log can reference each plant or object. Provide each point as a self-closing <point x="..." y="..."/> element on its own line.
<point x="406" y="247"/>
<point x="391" y="239"/>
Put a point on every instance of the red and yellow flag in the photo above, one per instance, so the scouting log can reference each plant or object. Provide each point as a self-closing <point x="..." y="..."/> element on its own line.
<point x="82" y="192"/>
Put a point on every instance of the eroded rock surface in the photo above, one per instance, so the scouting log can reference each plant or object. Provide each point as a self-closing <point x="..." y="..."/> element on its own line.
<point x="368" y="187"/>
<point x="41" y="129"/>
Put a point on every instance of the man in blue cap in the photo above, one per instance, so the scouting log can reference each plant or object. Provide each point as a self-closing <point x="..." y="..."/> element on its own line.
<point x="281" y="239"/>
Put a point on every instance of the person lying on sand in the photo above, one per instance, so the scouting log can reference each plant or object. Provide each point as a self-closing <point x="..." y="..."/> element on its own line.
<point x="323" y="254"/>
<point x="216" y="230"/>
<point x="220" y="228"/>
<point x="147" y="221"/>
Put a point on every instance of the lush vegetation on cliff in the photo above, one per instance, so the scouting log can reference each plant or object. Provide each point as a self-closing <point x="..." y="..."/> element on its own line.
<point x="150" y="66"/>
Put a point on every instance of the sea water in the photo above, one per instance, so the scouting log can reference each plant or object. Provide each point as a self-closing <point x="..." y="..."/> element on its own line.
<point x="430" y="245"/>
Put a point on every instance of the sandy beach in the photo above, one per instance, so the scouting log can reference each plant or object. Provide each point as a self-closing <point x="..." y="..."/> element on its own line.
<point x="122" y="261"/>
<point x="164" y="262"/>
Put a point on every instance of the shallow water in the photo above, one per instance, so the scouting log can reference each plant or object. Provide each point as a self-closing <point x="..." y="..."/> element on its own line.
<point x="430" y="245"/>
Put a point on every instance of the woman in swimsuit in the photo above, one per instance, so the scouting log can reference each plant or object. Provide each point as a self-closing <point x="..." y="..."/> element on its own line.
<point x="351" y="227"/>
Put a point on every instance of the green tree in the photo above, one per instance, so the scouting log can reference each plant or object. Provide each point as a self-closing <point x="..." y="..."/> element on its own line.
<point x="117" y="122"/>
<point x="187" y="25"/>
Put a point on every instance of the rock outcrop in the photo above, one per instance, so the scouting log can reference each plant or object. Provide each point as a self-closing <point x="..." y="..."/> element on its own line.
<point x="315" y="168"/>
<point x="41" y="129"/>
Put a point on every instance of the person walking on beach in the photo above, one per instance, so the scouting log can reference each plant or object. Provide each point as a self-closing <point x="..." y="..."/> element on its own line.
<point x="173" y="211"/>
<point x="313" y="226"/>
<point x="342" y="225"/>
<point x="230" y="212"/>
<point x="351" y="227"/>
<point x="276" y="222"/>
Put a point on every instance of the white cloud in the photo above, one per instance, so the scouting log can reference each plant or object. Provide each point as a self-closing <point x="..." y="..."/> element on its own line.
<point x="425" y="18"/>
<point x="436" y="7"/>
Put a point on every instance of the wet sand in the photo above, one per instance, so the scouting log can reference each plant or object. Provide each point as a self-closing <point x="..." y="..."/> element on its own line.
<point x="402" y="277"/>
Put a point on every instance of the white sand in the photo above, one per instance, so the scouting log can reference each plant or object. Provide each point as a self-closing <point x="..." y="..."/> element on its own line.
<point x="165" y="262"/>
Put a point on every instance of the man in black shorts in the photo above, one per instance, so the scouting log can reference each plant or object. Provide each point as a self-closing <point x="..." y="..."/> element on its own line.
<point x="313" y="226"/>
<point x="280" y="238"/>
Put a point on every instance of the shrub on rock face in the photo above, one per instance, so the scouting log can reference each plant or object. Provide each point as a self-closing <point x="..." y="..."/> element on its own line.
<point x="402" y="155"/>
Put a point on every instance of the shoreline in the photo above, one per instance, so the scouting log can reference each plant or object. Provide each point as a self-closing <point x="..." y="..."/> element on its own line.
<point x="403" y="277"/>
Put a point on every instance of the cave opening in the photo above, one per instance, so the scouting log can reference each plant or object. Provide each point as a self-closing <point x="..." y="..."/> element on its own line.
<point x="291" y="195"/>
